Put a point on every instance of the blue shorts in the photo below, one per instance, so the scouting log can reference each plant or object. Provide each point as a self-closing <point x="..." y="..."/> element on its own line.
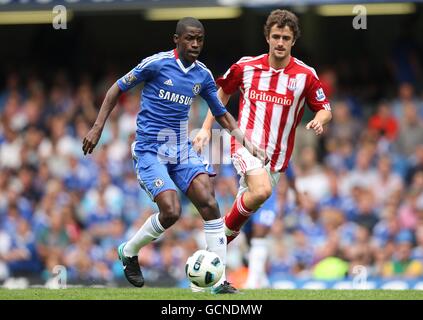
<point x="158" y="171"/>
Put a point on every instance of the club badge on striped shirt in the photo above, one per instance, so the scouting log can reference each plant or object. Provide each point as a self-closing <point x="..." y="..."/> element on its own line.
<point x="292" y="84"/>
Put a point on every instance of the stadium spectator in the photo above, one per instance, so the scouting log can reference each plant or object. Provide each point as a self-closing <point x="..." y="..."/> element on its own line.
<point x="410" y="131"/>
<point x="402" y="263"/>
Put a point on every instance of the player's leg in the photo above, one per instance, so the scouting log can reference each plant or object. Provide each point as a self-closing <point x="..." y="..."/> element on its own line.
<point x="201" y="194"/>
<point x="261" y="222"/>
<point x="169" y="212"/>
<point x="153" y="227"/>
<point x="155" y="180"/>
<point x="193" y="179"/>
<point x="259" y="249"/>
<point x="255" y="189"/>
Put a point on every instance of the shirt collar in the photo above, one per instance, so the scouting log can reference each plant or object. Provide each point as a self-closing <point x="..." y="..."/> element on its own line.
<point x="265" y="63"/>
<point x="181" y="65"/>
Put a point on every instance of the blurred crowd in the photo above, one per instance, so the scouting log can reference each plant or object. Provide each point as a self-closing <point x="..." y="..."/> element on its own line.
<point x="361" y="189"/>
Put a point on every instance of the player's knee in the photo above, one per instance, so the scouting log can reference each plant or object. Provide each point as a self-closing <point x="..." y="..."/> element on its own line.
<point x="262" y="194"/>
<point x="209" y="208"/>
<point x="170" y="218"/>
<point x="211" y="203"/>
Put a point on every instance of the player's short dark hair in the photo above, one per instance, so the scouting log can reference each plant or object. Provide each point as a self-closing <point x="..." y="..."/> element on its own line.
<point x="282" y="18"/>
<point x="188" y="22"/>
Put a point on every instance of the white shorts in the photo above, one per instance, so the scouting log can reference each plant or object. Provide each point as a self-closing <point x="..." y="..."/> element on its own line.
<point x="244" y="162"/>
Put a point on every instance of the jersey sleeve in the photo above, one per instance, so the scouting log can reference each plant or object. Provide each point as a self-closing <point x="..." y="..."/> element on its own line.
<point x="231" y="80"/>
<point x="142" y="72"/>
<point x="316" y="98"/>
<point x="209" y="94"/>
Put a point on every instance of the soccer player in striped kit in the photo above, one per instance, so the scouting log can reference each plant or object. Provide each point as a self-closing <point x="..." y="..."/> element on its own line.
<point x="274" y="89"/>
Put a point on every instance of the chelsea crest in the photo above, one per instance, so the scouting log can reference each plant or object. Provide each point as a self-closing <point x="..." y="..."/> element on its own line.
<point x="196" y="88"/>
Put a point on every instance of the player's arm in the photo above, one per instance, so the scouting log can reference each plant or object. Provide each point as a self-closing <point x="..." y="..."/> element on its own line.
<point x="144" y="71"/>
<point x="228" y="122"/>
<point x="109" y="102"/>
<point x="317" y="102"/>
<point x="228" y="84"/>
<point x="203" y="136"/>
<point x="321" y="118"/>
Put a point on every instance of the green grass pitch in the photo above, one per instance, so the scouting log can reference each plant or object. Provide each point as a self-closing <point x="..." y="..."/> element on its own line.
<point x="186" y="294"/>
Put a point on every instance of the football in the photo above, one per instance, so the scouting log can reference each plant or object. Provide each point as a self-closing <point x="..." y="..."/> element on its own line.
<point x="204" y="268"/>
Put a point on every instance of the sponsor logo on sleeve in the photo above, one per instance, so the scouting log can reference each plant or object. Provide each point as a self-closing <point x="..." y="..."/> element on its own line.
<point x="129" y="78"/>
<point x="320" y="95"/>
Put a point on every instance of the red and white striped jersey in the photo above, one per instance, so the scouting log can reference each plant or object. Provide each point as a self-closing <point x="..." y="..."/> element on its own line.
<point x="272" y="103"/>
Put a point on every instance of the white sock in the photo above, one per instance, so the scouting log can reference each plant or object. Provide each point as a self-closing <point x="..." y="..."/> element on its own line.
<point x="150" y="230"/>
<point x="257" y="263"/>
<point x="216" y="242"/>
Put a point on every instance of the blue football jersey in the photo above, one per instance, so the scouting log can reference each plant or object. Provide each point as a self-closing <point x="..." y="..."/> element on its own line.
<point x="168" y="92"/>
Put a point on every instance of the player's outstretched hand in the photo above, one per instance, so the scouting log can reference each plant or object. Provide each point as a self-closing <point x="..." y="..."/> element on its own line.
<point x="201" y="139"/>
<point x="91" y="140"/>
<point x="316" y="125"/>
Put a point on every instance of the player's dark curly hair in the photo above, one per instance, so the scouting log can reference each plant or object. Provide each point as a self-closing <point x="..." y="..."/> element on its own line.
<point x="282" y="18"/>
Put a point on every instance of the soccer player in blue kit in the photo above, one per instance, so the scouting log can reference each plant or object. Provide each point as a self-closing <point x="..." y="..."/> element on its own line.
<point x="163" y="157"/>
